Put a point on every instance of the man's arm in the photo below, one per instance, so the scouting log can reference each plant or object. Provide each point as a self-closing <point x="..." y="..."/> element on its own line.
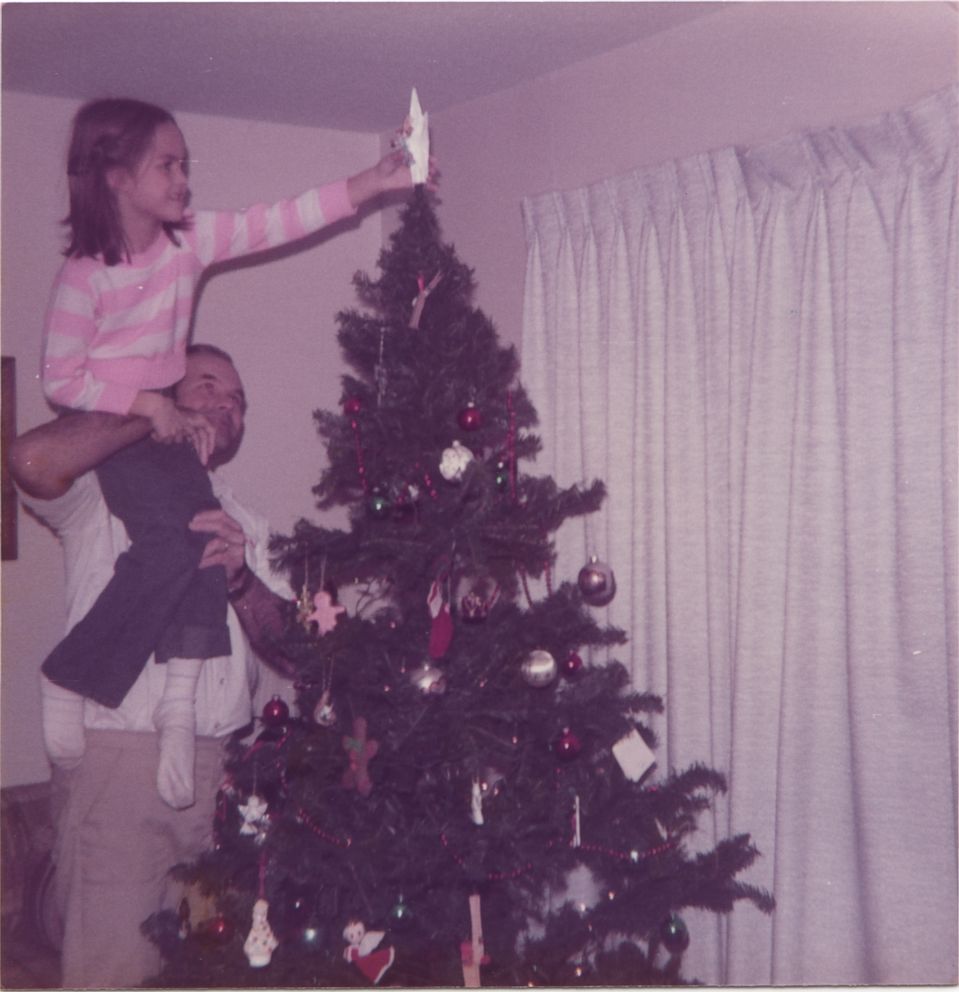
<point x="262" y="616"/>
<point x="46" y="461"/>
<point x="261" y="612"/>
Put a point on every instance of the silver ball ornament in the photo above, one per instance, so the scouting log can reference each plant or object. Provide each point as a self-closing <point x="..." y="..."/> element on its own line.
<point x="428" y="679"/>
<point x="539" y="669"/>
<point x="596" y="582"/>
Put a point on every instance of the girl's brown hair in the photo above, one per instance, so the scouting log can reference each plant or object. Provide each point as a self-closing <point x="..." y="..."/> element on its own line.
<point x="107" y="134"/>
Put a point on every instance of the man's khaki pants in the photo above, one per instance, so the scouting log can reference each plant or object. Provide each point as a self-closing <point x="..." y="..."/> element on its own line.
<point x="116" y="842"/>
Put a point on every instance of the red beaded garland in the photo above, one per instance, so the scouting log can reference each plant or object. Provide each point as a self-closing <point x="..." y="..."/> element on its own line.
<point x="493" y="876"/>
<point x="428" y="481"/>
<point x="309" y="822"/>
<point x="633" y="856"/>
<point x="511" y="445"/>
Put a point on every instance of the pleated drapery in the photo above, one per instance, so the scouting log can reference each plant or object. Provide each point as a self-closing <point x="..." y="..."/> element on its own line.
<point x="756" y="349"/>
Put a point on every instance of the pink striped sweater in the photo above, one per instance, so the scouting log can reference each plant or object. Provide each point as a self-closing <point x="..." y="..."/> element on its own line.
<point x="113" y="330"/>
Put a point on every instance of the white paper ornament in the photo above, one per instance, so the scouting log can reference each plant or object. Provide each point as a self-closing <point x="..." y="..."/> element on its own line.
<point x="476" y="803"/>
<point x="634" y="756"/>
<point x="417" y="142"/>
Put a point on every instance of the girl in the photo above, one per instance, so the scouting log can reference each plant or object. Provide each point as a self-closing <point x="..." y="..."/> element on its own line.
<point x="115" y="341"/>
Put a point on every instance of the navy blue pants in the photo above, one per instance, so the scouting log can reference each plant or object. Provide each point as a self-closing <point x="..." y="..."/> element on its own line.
<point x="158" y="601"/>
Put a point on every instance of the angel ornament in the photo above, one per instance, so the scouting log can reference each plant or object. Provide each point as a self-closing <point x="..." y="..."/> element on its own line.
<point x="364" y="951"/>
<point x="261" y="941"/>
<point x="256" y="817"/>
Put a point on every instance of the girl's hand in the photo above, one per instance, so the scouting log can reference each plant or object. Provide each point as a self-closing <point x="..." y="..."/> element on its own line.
<point x="199" y="432"/>
<point x="391" y="173"/>
<point x="170" y="424"/>
<point x="393" y="170"/>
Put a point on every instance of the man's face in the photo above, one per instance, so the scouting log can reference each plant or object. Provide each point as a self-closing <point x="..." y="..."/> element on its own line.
<point x="211" y="386"/>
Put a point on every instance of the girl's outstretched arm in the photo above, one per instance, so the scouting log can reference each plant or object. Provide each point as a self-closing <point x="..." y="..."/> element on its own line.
<point x="390" y="173"/>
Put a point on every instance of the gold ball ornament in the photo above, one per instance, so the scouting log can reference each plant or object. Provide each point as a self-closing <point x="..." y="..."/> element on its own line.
<point x="539" y="669"/>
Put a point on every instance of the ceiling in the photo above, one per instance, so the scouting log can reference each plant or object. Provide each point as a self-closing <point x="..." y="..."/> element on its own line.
<point x="346" y="65"/>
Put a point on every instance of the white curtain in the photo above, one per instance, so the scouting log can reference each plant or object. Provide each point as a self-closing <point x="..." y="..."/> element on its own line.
<point x="756" y="349"/>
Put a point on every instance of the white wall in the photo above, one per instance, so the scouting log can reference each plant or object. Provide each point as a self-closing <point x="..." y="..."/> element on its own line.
<point x="277" y="319"/>
<point x="742" y="75"/>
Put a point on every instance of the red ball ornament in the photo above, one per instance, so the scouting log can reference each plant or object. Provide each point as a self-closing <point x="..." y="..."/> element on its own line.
<point x="218" y="930"/>
<point x="276" y="712"/>
<point x="572" y="666"/>
<point x="470" y="419"/>
<point x="567" y="745"/>
<point x="352" y="406"/>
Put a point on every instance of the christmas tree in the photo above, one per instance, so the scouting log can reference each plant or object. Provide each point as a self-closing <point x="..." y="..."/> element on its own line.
<point x="460" y="742"/>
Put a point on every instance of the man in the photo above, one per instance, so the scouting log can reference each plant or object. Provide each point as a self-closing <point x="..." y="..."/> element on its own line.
<point x="117" y="839"/>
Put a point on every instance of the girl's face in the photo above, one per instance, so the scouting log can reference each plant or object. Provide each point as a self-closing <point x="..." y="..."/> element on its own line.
<point x="156" y="191"/>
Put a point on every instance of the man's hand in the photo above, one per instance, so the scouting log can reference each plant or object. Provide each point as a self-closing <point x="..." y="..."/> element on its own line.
<point x="227" y="544"/>
<point x="261" y="612"/>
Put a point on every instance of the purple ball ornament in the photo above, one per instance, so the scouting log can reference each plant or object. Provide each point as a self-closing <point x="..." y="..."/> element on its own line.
<point x="674" y="934"/>
<point x="596" y="582"/>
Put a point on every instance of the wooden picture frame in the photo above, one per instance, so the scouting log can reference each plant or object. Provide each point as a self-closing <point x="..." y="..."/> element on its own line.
<point x="8" y="431"/>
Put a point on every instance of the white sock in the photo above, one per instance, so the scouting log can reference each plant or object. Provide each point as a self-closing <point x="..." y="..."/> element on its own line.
<point x="175" y="719"/>
<point x="62" y="717"/>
